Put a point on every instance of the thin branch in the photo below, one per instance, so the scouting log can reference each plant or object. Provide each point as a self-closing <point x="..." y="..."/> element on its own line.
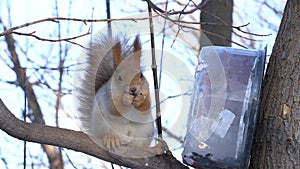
<point x="154" y="70"/>
<point x="239" y="28"/>
<point x="162" y="48"/>
<point x="60" y="70"/>
<point x="67" y="68"/>
<point x="166" y="15"/>
<point x="69" y="159"/>
<point x="211" y="33"/>
<point x="276" y="11"/>
<point x="52" y="40"/>
<point x="249" y="33"/>
<point x="159" y="10"/>
<point x="4" y="162"/>
<point x="175" y="96"/>
<point x="172" y="135"/>
<point x="57" y="19"/>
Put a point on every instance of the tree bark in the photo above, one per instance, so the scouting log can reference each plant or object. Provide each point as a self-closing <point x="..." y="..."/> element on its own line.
<point x="217" y="12"/>
<point x="77" y="141"/>
<point x="277" y="138"/>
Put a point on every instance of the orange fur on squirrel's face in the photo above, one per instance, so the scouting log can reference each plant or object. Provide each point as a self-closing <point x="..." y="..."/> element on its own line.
<point x="129" y="83"/>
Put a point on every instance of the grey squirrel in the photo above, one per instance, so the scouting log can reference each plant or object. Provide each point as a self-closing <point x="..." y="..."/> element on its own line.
<point x="114" y="99"/>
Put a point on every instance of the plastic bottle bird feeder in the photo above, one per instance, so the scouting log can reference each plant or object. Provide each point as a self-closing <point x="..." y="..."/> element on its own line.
<point x="224" y="108"/>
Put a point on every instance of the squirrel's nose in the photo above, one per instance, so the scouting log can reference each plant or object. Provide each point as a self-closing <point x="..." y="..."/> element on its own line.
<point x="132" y="89"/>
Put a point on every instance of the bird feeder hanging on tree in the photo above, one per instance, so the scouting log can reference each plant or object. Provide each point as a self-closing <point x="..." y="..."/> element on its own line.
<point x="224" y="107"/>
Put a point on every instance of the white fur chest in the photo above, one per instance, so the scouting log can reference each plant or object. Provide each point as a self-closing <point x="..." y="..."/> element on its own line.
<point x="129" y="127"/>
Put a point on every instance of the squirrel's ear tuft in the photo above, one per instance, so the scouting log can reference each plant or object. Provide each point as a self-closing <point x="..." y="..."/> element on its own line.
<point x="116" y="52"/>
<point x="137" y="48"/>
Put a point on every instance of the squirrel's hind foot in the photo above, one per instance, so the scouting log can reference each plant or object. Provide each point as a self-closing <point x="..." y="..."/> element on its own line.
<point x="111" y="142"/>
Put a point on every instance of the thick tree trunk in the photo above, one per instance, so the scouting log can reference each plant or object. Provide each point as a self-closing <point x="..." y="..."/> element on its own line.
<point x="277" y="138"/>
<point x="217" y="12"/>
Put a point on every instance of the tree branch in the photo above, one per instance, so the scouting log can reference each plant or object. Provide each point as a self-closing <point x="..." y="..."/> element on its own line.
<point x="32" y="34"/>
<point x="181" y="12"/>
<point x="57" y="19"/>
<point x="77" y="141"/>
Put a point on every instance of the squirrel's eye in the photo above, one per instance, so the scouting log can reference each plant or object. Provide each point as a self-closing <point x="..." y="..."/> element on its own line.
<point x="120" y="78"/>
<point x="141" y="75"/>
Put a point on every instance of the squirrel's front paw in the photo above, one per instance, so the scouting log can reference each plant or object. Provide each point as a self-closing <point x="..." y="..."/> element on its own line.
<point x="127" y="99"/>
<point x="111" y="142"/>
<point x="139" y="100"/>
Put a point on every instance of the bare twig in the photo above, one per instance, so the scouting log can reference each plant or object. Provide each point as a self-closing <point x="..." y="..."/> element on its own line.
<point x="166" y="15"/>
<point x="159" y="10"/>
<point x="154" y="71"/>
<point x="32" y="34"/>
<point x="69" y="159"/>
<point x="57" y="19"/>
<point x="211" y="33"/>
<point x="172" y="135"/>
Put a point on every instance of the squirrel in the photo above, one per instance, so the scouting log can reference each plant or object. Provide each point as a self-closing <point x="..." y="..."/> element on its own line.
<point x="114" y="103"/>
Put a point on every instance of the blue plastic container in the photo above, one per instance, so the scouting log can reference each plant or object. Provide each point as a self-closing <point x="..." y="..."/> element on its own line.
<point x="224" y="107"/>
